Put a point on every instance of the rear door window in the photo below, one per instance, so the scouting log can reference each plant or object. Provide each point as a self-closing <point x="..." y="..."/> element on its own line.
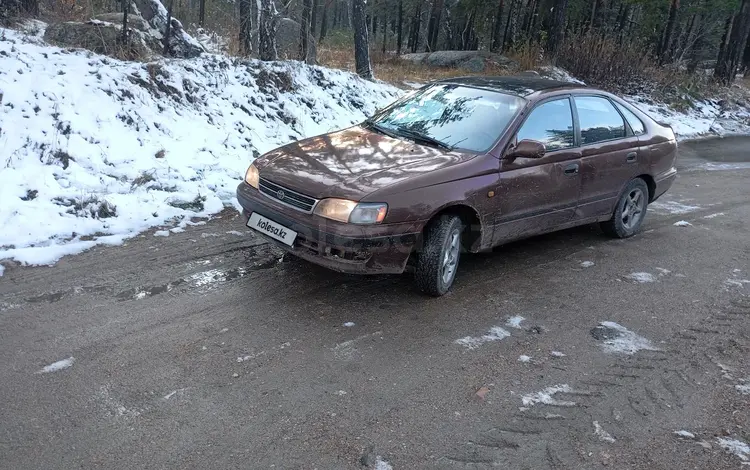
<point x="550" y="123"/>
<point x="599" y="120"/>
<point x="635" y="122"/>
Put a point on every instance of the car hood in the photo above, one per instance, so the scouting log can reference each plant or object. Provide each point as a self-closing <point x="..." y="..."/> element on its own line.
<point x="351" y="163"/>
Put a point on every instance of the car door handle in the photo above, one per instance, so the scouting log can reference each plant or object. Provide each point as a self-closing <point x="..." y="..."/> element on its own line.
<point x="571" y="169"/>
<point x="631" y="157"/>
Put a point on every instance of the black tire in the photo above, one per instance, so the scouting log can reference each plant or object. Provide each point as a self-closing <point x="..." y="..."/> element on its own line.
<point x="438" y="240"/>
<point x="628" y="215"/>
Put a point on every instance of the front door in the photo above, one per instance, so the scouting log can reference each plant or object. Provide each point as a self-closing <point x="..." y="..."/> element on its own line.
<point x="540" y="194"/>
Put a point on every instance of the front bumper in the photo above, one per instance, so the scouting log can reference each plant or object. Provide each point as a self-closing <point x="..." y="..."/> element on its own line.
<point x="355" y="249"/>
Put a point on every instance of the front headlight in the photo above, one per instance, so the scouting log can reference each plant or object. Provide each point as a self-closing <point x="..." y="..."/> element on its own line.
<point x="350" y="212"/>
<point x="251" y="176"/>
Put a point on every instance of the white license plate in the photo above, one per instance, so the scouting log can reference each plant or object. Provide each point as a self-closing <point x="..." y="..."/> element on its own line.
<point x="271" y="228"/>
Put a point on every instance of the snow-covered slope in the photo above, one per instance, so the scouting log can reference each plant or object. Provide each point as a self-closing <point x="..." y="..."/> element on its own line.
<point x="95" y="150"/>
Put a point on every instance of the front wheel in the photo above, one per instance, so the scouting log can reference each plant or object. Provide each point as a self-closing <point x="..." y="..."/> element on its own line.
<point x="629" y="211"/>
<point x="438" y="262"/>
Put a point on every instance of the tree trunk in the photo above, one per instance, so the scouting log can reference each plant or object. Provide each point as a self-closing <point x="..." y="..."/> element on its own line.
<point x="723" y="43"/>
<point x="323" y="24"/>
<point x="557" y="35"/>
<point x="433" y="27"/>
<point x="201" y="12"/>
<point x="507" y="35"/>
<point x="727" y="68"/>
<point x="667" y="40"/>
<point x="267" y="31"/>
<point x="385" y="33"/>
<point x="400" y="29"/>
<point x="746" y="58"/>
<point x="314" y="18"/>
<point x="416" y="25"/>
<point x="125" y="8"/>
<point x="374" y="28"/>
<point x="497" y="28"/>
<point x="304" y="30"/>
<point x="246" y="22"/>
<point x="167" y="33"/>
<point x="335" y="15"/>
<point x="361" y="49"/>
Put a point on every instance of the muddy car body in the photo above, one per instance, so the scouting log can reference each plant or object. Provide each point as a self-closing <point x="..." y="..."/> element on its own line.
<point x="460" y="165"/>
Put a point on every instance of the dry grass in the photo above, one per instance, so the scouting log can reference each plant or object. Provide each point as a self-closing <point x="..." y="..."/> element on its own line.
<point x="389" y="68"/>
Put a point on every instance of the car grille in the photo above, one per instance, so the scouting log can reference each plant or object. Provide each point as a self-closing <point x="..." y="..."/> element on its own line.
<point x="286" y="196"/>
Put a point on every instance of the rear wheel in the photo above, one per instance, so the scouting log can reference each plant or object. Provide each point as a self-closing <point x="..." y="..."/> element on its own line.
<point x="629" y="211"/>
<point x="438" y="262"/>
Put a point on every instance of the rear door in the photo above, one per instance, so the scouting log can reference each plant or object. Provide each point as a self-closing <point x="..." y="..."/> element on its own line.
<point x="540" y="194"/>
<point x="610" y="155"/>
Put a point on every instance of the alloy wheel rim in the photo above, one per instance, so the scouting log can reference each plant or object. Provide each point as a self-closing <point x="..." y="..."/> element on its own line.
<point x="632" y="211"/>
<point x="450" y="256"/>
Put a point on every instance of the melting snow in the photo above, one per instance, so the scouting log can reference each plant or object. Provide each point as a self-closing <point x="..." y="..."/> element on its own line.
<point x="58" y="366"/>
<point x="515" y="322"/>
<point x="683" y="223"/>
<point x="524" y="358"/>
<point x="236" y="232"/>
<point x="161" y="233"/>
<point x="626" y="342"/>
<point x="496" y="333"/>
<point x="743" y="389"/>
<point x="736" y="447"/>
<point x="686" y="434"/>
<point x="711" y="216"/>
<point x="602" y="434"/>
<point x="673" y="207"/>
<point x="641" y="277"/>
<point x="663" y="272"/>
<point x="546" y="396"/>
<point x="737" y="282"/>
<point x="349" y="324"/>
<point x="587" y="264"/>
<point x="557" y="354"/>
<point x="2" y="270"/>
<point x="381" y="464"/>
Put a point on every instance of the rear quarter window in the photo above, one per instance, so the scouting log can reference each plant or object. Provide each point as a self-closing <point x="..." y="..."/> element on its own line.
<point x="635" y="122"/>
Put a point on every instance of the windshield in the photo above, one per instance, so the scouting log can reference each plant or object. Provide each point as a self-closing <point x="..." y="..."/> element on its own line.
<point x="451" y="115"/>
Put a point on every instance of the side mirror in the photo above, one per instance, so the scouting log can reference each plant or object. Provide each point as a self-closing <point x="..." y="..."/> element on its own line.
<point x="527" y="149"/>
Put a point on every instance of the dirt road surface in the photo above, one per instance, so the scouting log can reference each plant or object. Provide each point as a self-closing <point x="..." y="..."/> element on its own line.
<point x="204" y="350"/>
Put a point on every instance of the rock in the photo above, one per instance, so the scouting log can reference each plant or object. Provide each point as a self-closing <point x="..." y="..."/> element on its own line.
<point x="472" y="61"/>
<point x="181" y="43"/>
<point x="287" y="41"/>
<point x="96" y="36"/>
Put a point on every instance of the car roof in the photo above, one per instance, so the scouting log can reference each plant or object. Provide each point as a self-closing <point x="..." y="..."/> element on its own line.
<point x="517" y="85"/>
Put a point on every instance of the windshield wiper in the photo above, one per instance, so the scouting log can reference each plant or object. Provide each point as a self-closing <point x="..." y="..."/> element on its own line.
<point x="381" y="129"/>
<point x="414" y="135"/>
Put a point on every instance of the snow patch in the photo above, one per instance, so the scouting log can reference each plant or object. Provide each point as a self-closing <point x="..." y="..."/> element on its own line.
<point x="524" y="358"/>
<point x="236" y="232"/>
<point x="57" y="366"/>
<point x="682" y="223"/>
<point x="557" y="354"/>
<point x="515" y="322"/>
<point x="743" y="389"/>
<point x="495" y="333"/>
<point x="685" y="434"/>
<point x="381" y="464"/>
<point x="663" y="271"/>
<point x="546" y="396"/>
<point x="161" y="233"/>
<point x="641" y="277"/>
<point x="587" y="264"/>
<point x="712" y="216"/>
<point x="349" y="324"/>
<point x="2" y="270"/>
<point x="736" y="282"/>
<point x="601" y="433"/>
<point x="108" y="149"/>
<point x="736" y="447"/>
<point x="672" y="207"/>
<point x="626" y="342"/>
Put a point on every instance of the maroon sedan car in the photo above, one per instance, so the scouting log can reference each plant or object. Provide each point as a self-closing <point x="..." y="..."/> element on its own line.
<point x="464" y="164"/>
